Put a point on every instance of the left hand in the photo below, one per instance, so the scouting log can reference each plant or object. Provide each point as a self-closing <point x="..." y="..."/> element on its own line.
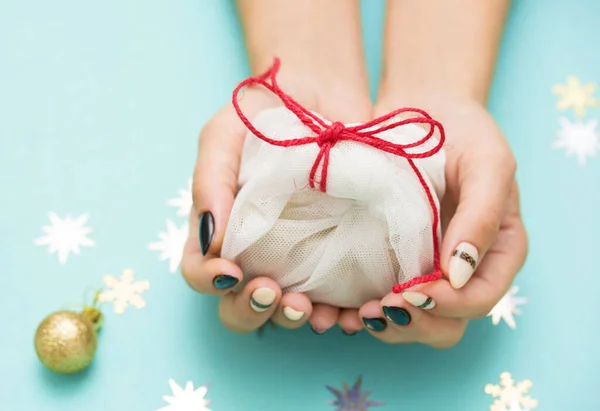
<point x="482" y="200"/>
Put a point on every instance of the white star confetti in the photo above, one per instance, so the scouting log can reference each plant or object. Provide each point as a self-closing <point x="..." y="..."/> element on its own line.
<point x="124" y="292"/>
<point x="576" y="95"/>
<point x="186" y="399"/>
<point x="507" y="307"/>
<point x="171" y="244"/>
<point x="184" y="201"/>
<point x="65" y="236"/>
<point x="511" y="397"/>
<point x="579" y="138"/>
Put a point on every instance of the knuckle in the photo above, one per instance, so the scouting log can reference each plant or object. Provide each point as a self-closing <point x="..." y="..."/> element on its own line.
<point x="452" y="338"/>
<point x="510" y="163"/>
<point x="233" y="323"/>
<point x="395" y="336"/>
<point x="482" y="299"/>
<point x="197" y="195"/>
<point x="186" y="268"/>
<point x="482" y="308"/>
<point x="489" y="220"/>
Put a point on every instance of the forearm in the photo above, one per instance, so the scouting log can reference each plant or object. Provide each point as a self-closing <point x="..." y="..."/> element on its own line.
<point x="318" y="41"/>
<point x="442" y="47"/>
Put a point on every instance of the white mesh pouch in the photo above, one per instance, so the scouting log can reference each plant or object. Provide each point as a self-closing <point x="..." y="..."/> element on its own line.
<point x="372" y="229"/>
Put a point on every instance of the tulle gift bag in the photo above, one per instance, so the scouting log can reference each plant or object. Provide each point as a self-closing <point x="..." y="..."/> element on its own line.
<point x="343" y="213"/>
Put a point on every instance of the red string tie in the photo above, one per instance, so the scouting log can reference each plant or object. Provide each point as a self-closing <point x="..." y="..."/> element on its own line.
<point x="326" y="136"/>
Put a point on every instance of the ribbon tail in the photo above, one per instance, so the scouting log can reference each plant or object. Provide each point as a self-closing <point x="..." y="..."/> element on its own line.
<point x="312" y="177"/>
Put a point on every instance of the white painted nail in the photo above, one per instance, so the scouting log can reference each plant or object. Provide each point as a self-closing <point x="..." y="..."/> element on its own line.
<point x="419" y="300"/>
<point x="462" y="264"/>
<point x="292" y="314"/>
<point x="262" y="298"/>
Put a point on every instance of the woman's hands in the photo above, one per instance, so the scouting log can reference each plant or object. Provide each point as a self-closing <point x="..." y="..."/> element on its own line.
<point x="324" y="70"/>
<point x="435" y="67"/>
<point x="440" y="56"/>
<point x="481" y="209"/>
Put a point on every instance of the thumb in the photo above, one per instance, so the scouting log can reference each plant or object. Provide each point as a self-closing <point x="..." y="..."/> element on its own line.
<point x="215" y="178"/>
<point x="216" y="174"/>
<point x="484" y="185"/>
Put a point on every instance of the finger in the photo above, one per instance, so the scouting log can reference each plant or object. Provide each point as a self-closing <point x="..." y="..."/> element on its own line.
<point x="216" y="173"/>
<point x="492" y="280"/>
<point x="215" y="276"/>
<point x="350" y="321"/>
<point x="323" y="318"/>
<point x="215" y="178"/>
<point x="484" y="182"/>
<point x="391" y="320"/>
<point x="249" y="309"/>
<point x="294" y="311"/>
<point x="407" y="324"/>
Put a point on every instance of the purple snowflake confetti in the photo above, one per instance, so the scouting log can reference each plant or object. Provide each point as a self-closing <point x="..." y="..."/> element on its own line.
<point x="352" y="398"/>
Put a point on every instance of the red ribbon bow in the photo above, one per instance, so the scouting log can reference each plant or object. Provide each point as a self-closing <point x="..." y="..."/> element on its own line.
<point x="326" y="136"/>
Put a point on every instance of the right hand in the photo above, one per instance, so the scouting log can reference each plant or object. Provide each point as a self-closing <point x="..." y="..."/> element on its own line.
<point x="214" y="188"/>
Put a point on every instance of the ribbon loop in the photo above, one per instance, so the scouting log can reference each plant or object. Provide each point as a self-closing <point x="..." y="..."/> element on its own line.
<point x="326" y="136"/>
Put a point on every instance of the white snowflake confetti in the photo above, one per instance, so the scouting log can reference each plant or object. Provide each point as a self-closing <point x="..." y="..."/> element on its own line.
<point x="184" y="201"/>
<point x="186" y="399"/>
<point x="511" y="397"/>
<point x="507" y="307"/>
<point x="579" y="138"/>
<point x="171" y="244"/>
<point x="65" y="236"/>
<point x="124" y="292"/>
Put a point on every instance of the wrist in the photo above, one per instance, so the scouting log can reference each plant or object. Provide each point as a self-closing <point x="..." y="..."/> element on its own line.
<point x="332" y="91"/>
<point x="429" y="97"/>
<point x="428" y="80"/>
<point x="444" y="48"/>
<point x="319" y="44"/>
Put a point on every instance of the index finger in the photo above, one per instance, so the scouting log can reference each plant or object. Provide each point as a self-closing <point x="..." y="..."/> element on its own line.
<point x="490" y="282"/>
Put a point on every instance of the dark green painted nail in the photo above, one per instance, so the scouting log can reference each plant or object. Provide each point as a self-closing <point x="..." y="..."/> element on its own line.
<point x="225" y="282"/>
<point x="206" y="230"/>
<point x="397" y="315"/>
<point x="375" y="324"/>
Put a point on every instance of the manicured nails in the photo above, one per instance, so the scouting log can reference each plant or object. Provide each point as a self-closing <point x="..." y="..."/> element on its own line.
<point x="262" y="298"/>
<point x="206" y="230"/>
<point x="375" y="324"/>
<point x="292" y="314"/>
<point x="225" y="282"/>
<point x="318" y="332"/>
<point x="419" y="300"/>
<point x="462" y="264"/>
<point x="397" y="315"/>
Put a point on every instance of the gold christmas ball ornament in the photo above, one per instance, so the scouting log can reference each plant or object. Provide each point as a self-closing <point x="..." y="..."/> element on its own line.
<point x="66" y="341"/>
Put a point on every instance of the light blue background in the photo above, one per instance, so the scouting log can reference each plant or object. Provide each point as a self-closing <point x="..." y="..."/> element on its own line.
<point x="100" y="106"/>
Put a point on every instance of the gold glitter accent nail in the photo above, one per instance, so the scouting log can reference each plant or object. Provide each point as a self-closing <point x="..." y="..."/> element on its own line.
<point x="464" y="256"/>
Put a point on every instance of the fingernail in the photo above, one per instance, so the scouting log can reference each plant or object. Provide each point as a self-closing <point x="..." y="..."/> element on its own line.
<point x="462" y="264"/>
<point x="206" y="229"/>
<point x="397" y="315"/>
<point x="375" y="324"/>
<point x="292" y="314"/>
<point x="262" y="298"/>
<point x="224" y="281"/>
<point x="419" y="300"/>
<point x="349" y="334"/>
<point x="314" y="330"/>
